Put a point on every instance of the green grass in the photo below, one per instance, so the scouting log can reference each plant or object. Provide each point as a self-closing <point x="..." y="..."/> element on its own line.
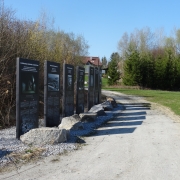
<point x="86" y="78"/>
<point x="104" y="82"/>
<point x="169" y="99"/>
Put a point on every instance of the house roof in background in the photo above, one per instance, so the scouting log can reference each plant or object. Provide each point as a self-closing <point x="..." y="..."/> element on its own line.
<point x="92" y="60"/>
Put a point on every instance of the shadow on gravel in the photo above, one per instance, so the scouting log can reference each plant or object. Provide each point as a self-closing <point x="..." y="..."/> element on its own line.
<point x="80" y="141"/>
<point x="4" y="153"/>
<point x="135" y="108"/>
<point x="130" y="118"/>
<point x="137" y="104"/>
<point x="133" y="113"/>
<point x="114" y="131"/>
<point x="132" y="123"/>
<point x="125" y="118"/>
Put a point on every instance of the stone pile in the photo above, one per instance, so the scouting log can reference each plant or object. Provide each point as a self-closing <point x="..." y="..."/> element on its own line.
<point x="46" y="135"/>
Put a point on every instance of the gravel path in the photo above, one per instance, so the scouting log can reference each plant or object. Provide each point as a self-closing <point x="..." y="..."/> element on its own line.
<point x="140" y="143"/>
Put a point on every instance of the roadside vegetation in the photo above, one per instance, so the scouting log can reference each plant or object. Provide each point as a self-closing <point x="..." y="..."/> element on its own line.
<point x="147" y="59"/>
<point x="36" y="40"/>
<point x="104" y="80"/>
<point x="148" y="66"/>
<point x="170" y="99"/>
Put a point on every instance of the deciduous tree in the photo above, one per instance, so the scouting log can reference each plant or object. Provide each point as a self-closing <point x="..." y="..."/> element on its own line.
<point x="113" y="73"/>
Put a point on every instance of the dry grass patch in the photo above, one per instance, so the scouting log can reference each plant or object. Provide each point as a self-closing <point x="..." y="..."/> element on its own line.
<point x="28" y="155"/>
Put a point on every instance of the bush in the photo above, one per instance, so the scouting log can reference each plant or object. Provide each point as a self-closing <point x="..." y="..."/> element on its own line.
<point x="31" y="40"/>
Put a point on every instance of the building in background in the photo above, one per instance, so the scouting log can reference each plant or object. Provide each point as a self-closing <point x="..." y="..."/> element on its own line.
<point x="91" y="61"/>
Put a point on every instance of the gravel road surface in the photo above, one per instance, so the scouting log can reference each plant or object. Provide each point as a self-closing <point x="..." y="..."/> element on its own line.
<point x="140" y="143"/>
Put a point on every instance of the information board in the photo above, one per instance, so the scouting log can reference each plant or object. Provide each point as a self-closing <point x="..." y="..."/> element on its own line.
<point x="51" y="93"/>
<point x="27" y="95"/>
<point x="96" y="85"/>
<point x="80" y="74"/>
<point x="99" y="86"/>
<point x="68" y="90"/>
<point x="90" y="101"/>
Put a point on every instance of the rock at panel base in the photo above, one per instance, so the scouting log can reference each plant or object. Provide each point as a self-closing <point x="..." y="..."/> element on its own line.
<point x="44" y="135"/>
<point x="112" y="101"/>
<point x="98" y="109"/>
<point x="71" y="122"/>
<point x="107" y="106"/>
<point x="88" y="117"/>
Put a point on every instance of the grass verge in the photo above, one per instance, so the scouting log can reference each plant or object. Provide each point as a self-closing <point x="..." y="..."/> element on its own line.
<point x="170" y="99"/>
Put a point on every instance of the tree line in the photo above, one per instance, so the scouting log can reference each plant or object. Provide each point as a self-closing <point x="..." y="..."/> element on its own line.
<point x="36" y="40"/>
<point x="151" y="60"/>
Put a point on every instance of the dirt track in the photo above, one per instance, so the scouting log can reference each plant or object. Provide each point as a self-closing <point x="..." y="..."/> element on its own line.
<point x="141" y="143"/>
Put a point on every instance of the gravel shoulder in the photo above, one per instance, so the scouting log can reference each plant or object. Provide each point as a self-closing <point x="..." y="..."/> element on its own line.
<point x="141" y="142"/>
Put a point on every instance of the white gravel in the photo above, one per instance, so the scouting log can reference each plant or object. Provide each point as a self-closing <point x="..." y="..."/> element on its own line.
<point x="9" y="143"/>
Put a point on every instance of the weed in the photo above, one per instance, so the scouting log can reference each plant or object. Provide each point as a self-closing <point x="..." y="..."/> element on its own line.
<point x="29" y="151"/>
<point x="55" y="160"/>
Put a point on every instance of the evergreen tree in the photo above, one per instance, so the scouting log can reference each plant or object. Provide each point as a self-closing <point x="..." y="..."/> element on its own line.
<point x="104" y="61"/>
<point x="150" y="60"/>
<point x="113" y="73"/>
<point x="169" y="71"/>
<point x="144" y="70"/>
<point x="132" y="69"/>
<point x="159" y="71"/>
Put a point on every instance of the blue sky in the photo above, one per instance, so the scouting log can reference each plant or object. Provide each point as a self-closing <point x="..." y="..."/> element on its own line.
<point x="102" y="22"/>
